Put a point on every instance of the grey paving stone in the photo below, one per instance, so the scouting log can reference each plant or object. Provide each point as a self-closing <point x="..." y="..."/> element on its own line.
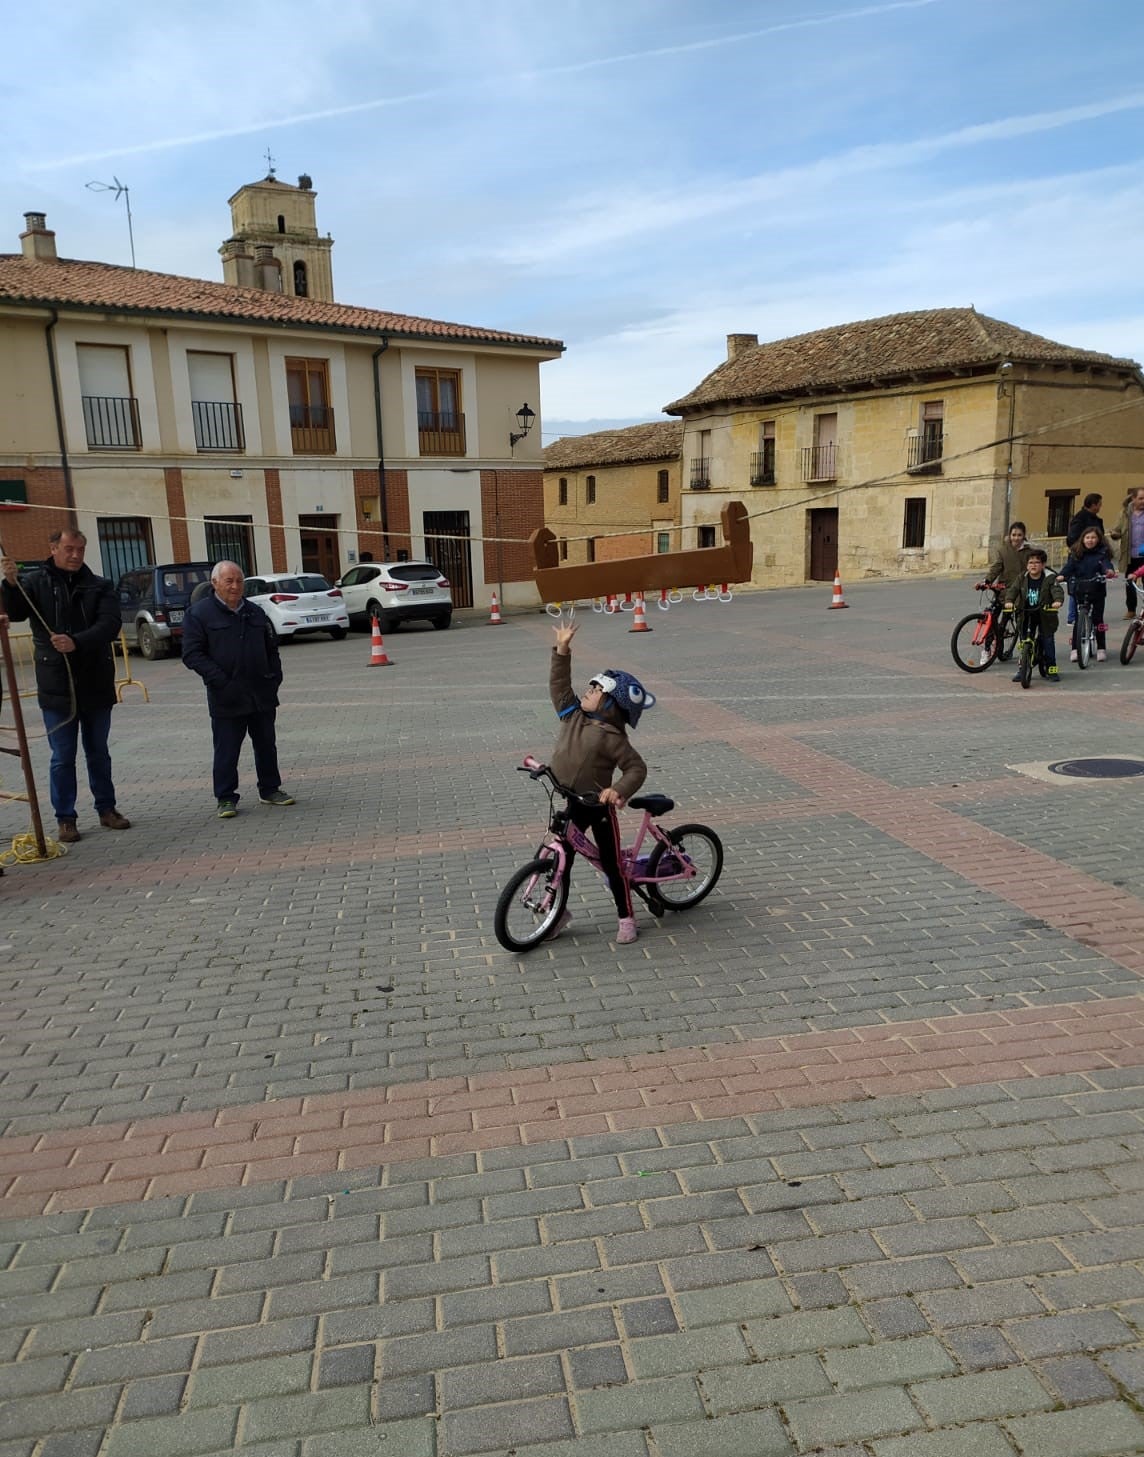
<point x="308" y="1412"/>
<point x="402" y="1397"/>
<point x="897" y="1316"/>
<point x="534" y="1335"/>
<point x="979" y="1348"/>
<point x="633" y="1407"/>
<point x="614" y="1444"/>
<point x="506" y="1380"/>
<point x="496" y="1302"/>
<point x="1057" y="1335"/>
<point x="1001" y="1300"/>
<point x="275" y="1338"/>
<point x="1076" y="1379"/>
<point x="1090" y="1431"/>
<point x="483" y="1429"/>
<point x="810" y="1330"/>
<point x="1092" y="1287"/>
<point x="887" y="1363"/>
<point x="597" y="1366"/>
<point x="346" y="1366"/>
<point x="856" y="1416"/>
<point x="759" y="1433"/>
<point x="155" y="1397"/>
<point x="982" y="1439"/>
<point x="744" y="1301"/>
<point x="818" y="1290"/>
<point x="436" y="1350"/>
<point x="627" y="1283"/>
<point x="925" y="1274"/>
<point x="975" y="1398"/>
<point x="720" y="1345"/>
<point x="33" y="1416"/>
<point x="191" y="1433"/>
<point x="71" y="1444"/>
<point x="247" y="1381"/>
<point x="765" y="1383"/>
<point x="648" y="1318"/>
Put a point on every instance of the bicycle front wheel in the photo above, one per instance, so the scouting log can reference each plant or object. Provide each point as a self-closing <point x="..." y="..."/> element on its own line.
<point x="1026" y="663"/>
<point x="1131" y="642"/>
<point x="693" y="845"/>
<point x="1084" y="637"/>
<point x="530" y="905"/>
<point x="1008" y="636"/>
<point x="969" y="655"/>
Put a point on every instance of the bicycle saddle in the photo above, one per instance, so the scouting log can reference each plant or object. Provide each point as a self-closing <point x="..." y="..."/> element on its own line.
<point x="655" y="804"/>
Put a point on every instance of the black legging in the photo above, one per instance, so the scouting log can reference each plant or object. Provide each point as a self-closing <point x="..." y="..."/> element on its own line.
<point x="1134" y="565"/>
<point x="1095" y="595"/>
<point x="601" y="822"/>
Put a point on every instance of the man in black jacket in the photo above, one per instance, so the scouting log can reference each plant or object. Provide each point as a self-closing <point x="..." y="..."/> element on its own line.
<point x="232" y="645"/>
<point x="75" y="618"/>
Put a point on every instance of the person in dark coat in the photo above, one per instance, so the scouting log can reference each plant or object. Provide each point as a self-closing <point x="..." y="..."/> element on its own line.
<point x="75" y="619"/>
<point x="233" y="647"/>
<point x="1086" y="519"/>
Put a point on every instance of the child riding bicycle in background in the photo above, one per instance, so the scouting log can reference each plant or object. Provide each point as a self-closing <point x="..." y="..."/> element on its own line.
<point x="591" y="747"/>
<point x="1090" y="561"/>
<point x="1039" y="591"/>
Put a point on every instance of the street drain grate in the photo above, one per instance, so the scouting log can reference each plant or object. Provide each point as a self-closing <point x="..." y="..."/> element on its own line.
<point x="1097" y="768"/>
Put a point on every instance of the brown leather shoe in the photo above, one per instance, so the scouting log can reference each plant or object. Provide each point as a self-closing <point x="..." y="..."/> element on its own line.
<point x="111" y="819"/>
<point x="68" y="834"/>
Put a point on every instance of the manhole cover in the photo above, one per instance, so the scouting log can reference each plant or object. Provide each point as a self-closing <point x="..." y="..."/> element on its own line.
<point x="1097" y="768"/>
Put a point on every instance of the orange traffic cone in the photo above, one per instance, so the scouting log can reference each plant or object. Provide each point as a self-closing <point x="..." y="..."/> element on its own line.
<point x="377" y="658"/>
<point x="640" y="622"/>
<point x="836" y="600"/>
<point x="495" y="619"/>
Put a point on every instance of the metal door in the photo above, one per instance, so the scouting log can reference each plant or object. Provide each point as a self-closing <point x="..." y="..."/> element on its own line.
<point x="448" y="547"/>
<point x="822" y="530"/>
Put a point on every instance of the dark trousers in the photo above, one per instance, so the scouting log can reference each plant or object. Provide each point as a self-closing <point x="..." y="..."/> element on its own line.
<point x="228" y="735"/>
<point x="601" y="823"/>
<point x="1134" y="565"/>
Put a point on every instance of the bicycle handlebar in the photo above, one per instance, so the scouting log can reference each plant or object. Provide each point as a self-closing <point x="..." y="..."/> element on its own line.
<point x="536" y="770"/>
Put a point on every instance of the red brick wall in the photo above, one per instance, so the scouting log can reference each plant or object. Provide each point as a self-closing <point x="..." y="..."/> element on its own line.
<point x="177" y="510"/>
<point x="521" y="497"/>
<point x="274" y="514"/>
<point x="366" y="488"/>
<point x="25" y="533"/>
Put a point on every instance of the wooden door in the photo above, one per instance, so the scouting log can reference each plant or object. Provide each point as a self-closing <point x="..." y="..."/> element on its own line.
<point x="319" y="541"/>
<point x="822" y="529"/>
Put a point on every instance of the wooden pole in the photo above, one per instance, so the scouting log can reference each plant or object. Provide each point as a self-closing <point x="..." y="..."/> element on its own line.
<point x="21" y="738"/>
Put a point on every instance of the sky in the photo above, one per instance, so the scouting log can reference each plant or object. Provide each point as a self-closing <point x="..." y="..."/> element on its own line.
<point x="637" y="178"/>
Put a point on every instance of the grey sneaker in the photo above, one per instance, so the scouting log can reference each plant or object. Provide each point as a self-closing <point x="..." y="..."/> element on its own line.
<point x="279" y="797"/>
<point x="227" y="809"/>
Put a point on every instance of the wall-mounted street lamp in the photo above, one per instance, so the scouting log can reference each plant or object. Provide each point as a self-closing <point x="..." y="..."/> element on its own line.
<point x="524" y="418"/>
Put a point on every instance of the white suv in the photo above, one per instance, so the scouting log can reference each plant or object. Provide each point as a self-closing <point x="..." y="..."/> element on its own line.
<point x="397" y="592"/>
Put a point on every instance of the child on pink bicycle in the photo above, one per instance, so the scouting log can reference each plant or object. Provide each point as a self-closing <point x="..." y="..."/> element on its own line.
<point x="591" y="747"/>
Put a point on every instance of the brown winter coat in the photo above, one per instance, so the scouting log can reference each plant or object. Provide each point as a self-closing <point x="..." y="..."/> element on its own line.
<point x="590" y="747"/>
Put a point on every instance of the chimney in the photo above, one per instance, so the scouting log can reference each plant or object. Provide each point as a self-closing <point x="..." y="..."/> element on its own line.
<point x="267" y="269"/>
<point x="738" y="343"/>
<point x="37" y="240"/>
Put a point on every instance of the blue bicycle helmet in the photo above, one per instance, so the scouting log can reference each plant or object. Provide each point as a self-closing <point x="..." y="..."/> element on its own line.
<point x="627" y="693"/>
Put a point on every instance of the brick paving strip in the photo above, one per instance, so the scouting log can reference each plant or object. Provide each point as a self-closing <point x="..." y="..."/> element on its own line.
<point x="80" y="1168"/>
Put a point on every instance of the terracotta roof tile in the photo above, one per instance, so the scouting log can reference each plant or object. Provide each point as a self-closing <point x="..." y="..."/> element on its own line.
<point x="854" y="356"/>
<point x="659" y="440"/>
<point x="64" y="281"/>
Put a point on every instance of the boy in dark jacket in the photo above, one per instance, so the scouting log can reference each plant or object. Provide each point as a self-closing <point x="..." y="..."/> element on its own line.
<point x="1039" y="591"/>
<point x="592" y="746"/>
<point x="75" y="619"/>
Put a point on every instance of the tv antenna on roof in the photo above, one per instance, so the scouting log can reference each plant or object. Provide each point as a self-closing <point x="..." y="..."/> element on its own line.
<point x="121" y="190"/>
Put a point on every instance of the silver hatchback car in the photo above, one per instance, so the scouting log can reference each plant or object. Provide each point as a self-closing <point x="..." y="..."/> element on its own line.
<point x="397" y="592"/>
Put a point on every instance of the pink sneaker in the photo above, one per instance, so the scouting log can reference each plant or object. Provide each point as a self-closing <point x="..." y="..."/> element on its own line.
<point x="561" y="925"/>
<point x="628" y="931"/>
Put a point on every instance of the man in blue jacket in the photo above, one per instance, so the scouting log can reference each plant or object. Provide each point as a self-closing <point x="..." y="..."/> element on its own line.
<point x="75" y="618"/>
<point x="232" y="645"/>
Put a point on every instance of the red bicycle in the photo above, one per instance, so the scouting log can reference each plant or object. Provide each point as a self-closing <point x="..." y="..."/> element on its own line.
<point x="986" y="636"/>
<point x="1135" y="634"/>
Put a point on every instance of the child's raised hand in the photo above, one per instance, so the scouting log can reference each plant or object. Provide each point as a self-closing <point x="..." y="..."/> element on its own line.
<point x="564" y="636"/>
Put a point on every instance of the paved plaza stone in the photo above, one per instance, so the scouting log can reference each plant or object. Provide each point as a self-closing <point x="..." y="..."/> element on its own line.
<point x="296" y="1161"/>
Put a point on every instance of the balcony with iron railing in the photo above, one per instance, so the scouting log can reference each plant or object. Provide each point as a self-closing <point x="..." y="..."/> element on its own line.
<point x="441" y="432"/>
<point x="218" y="425"/>
<point x="763" y="468"/>
<point x="701" y="473"/>
<point x="818" y="463"/>
<point x="924" y="454"/>
<point x="111" y="423"/>
<point x="312" y="430"/>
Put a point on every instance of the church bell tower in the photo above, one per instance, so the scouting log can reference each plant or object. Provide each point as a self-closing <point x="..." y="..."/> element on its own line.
<point x="274" y="244"/>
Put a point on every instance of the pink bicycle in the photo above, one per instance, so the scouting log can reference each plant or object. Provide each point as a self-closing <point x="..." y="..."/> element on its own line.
<point x="670" y="870"/>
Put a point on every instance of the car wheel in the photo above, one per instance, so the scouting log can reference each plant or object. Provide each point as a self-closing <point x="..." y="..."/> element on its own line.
<point x="337" y="633"/>
<point x="384" y="621"/>
<point x="442" y="622"/>
<point x="149" y="644"/>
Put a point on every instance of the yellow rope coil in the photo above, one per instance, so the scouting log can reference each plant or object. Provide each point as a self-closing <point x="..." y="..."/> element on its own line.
<point x="24" y="851"/>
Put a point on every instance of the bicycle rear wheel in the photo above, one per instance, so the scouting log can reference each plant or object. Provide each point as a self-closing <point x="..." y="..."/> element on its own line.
<point x="690" y="844"/>
<point x="1131" y="642"/>
<point x="530" y="905"/>
<point x="971" y="656"/>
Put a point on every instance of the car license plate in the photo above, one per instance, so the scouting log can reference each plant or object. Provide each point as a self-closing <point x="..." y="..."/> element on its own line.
<point x="320" y="617"/>
<point x="176" y="614"/>
<point x="423" y="591"/>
